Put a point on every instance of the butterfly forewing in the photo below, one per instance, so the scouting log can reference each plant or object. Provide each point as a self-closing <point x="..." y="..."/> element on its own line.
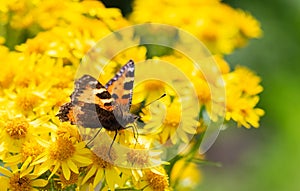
<point x="89" y="90"/>
<point x="121" y="86"/>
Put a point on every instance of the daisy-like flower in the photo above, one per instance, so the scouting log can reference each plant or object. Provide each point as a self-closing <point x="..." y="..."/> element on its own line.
<point x="29" y="151"/>
<point x="242" y="87"/>
<point x="12" y="179"/>
<point x="65" y="155"/>
<point x="249" y="27"/>
<point x="154" y="179"/>
<point x="178" y="124"/>
<point x="221" y="33"/>
<point x="243" y="111"/>
<point x="245" y="80"/>
<point x="102" y="170"/>
<point x="64" y="183"/>
<point x="18" y="130"/>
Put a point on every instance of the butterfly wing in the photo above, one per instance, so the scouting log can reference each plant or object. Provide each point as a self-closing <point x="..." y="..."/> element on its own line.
<point x="89" y="100"/>
<point x="121" y="85"/>
<point x="91" y="91"/>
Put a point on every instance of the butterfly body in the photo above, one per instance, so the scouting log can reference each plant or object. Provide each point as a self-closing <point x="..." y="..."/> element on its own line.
<point x="95" y="106"/>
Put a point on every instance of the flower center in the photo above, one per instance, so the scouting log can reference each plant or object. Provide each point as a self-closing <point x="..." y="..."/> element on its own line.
<point x="26" y="101"/>
<point x="101" y="158"/>
<point x="140" y="158"/>
<point x="17" y="128"/>
<point x="6" y="80"/>
<point x="62" y="149"/>
<point x="157" y="182"/>
<point x="154" y="85"/>
<point x="32" y="149"/>
<point x="173" y="116"/>
<point x="65" y="183"/>
<point x="17" y="183"/>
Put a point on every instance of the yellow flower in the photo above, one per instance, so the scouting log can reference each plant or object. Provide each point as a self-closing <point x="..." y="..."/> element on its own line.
<point x="242" y="87"/>
<point x="18" y="130"/>
<point x="63" y="182"/>
<point x="243" y="111"/>
<point x="221" y="32"/>
<point x="62" y="154"/>
<point x="178" y="124"/>
<point x="12" y="179"/>
<point x="185" y="175"/>
<point x="29" y="151"/>
<point x="249" y="27"/>
<point x="102" y="168"/>
<point x="245" y="80"/>
<point x="154" y="179"/>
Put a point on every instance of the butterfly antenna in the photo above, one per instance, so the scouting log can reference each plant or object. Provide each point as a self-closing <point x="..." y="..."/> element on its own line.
<point x="155" y="100"/>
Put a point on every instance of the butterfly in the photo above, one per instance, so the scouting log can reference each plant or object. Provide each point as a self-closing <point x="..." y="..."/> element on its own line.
<point x="93" y="105"/>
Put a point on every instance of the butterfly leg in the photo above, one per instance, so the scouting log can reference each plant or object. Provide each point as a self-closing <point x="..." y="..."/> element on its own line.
<point x="135" y="132"/>
<point x="116" y="133"/>
<point x="93" y="137"/>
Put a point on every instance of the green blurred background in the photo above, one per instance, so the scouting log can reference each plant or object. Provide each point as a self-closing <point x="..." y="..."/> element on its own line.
<point x="267" y="158"/>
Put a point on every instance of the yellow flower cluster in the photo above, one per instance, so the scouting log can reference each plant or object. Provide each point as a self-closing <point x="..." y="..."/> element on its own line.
<point x="43" y="42"/>
<point x="220" y="27"/>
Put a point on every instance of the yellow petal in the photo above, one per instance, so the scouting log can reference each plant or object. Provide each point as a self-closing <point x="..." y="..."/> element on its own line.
<point x="43" y="167"/>
<point x="66" y="170"/>
<point x="5" y="171"/>
<point x="83" y="160"/>
<point x="39" y="183"/>
<point x="112" y="178"/>
<point x="190" y="127"/>
<point x="72" y="166"/>
<point x="98" y="177"/>
<point x="57" y="165"/>
<point x="80" y="145"/>
<point x="90" y="173"/>
<point x="26" y="171"/>
<point x="4" y="183"/>
<point x="40" y="160"/>
<point x="13" y="159"/>
<point x="26" y="163"/>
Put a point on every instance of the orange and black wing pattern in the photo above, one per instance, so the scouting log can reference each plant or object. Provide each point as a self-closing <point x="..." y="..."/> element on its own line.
<point x="121" y="86"/>
<point x="89" y="100"/>
<point x="92" y="104"/>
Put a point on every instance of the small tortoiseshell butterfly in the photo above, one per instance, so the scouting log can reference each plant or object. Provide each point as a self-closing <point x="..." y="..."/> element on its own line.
<point x="95" y="106"/>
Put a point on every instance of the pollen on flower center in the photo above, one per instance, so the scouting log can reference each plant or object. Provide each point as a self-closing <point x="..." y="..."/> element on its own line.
<point x="17" y="183"/>
<point x="73" y="180"/>
<point x="17" y="128"/>
<point x="31" y="149"/>
<point x="156" y="181"/>
<point x="140" y="158"/>
<point x="102" y="158"/>
<point x="173" y="117"/>
<point x="26" y="101"/>
<point x="61" y="149"/>
<point x="154" y="86"/>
